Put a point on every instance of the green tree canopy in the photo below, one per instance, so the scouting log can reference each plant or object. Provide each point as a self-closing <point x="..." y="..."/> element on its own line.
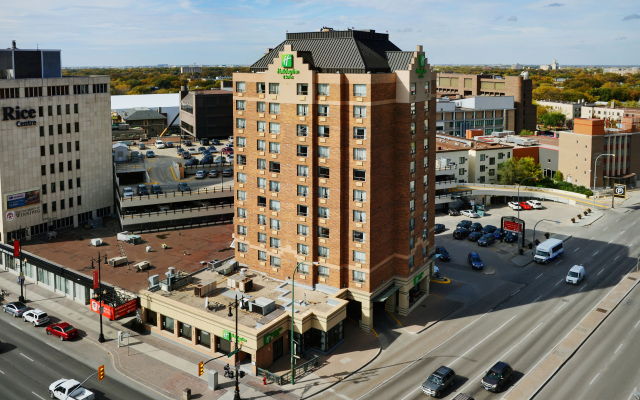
<point x="515" y="170"/>
<point x="553" y="119"/>
<point x="558" y="177"/>
<point x="526" y="132"/>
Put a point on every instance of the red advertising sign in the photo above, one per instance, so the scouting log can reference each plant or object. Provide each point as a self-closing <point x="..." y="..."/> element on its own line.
<point x="511" y="226"/>
<point x="96" y="280"/>
<point x="119" y="311"/>
<point x="16" y="248"/>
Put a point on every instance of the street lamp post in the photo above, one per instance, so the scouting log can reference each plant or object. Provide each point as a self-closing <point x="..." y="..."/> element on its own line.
<point x="293" y="280"/>
<point x="595" y="172"/>
<point x="236" y="395"/>
<point x="519" y="207"/>
<point x="101" y="305"/>
<point x="534" y="228"/>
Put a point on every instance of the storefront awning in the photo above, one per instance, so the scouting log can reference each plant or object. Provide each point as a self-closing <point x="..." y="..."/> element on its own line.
<point x="621" y="176"/>
<point x="386" y="294"/>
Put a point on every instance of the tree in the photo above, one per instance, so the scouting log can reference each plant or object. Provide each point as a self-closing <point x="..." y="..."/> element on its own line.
<point x="542" y="110"/>
<point x="515" y="170"/>
<point x="558" y="177"/>
<point x="553" y="118"/>
<point x="525" y="132"/>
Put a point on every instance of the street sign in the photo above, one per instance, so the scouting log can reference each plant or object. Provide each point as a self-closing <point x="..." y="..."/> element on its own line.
<point x="620" y="191"/>
<point x="233" y="352"/>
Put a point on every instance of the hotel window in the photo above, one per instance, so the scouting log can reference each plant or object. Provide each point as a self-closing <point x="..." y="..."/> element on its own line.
<point x="242" y="213"/>
<point x="274" y="88"/>
<point x="303" y="89"/>
<point x="358" y="276"/>
<point x="323" y="131"/>
<point x="303" y="230"/>
<point x="262" y="145"/>
<point x="262" y="237"/>
<point x="262" y="183"/>
<point x="274" y="186"/>
<point x="242" y="230"/>
<point x="303" y="211"/>
<point x="359" y="195"/>
<point x="358" y="236"/>
<point x="323" y="271"/>
<point x="359" y="216"/>
<point x="274" y="242"/>
<point x="303" y="130"/>
<point x="241" y="142"/>
<point x="303" y="191"/>
<point x="242" y="195"/>
<point x="262" y="255"/>
<point x="243" y="248"/>
<point x="323" y="252"/>
<point x="274" y="127"/>
<point x="274" y="167"/>
<point x="275" y="262"/>
<point x="323" y="212"/>
<point x="412" y="149"/>
<point x="323" y="192"/>
<point x="302" y="151"/>
<point x="412" y="205"/>
<point x="262" y="126"/>
<point x="323" y="89"/>
<point x="274" y="205"/>
<point x="413" y="90"/>
<point x="262" y="163"/>
<point x="359" y="132"/>
<point x="261" y="107"/>
<point x="261" y="87"/>
<point x="241" y="123"/>
<point x="240" y="105"/>
<point x="323" y="172"/>
<point x="360" y="154"/>
<point x="360" y="111"/>
<point x="426" y="88"/>
<point x="274" y="108"/>
<point x="323" y="232"/>
<point x="303" y="249"/>
<point x="303" y="170"/>
<point x="274" y="224"/>
<point x="303" y="110"/>
<point x="274" y="147"/>
<point x="360" y="90"/>
<point x="323" y="111"/>
<point x="323" y="151"/>
<point x="413" y="128"/>
<point x="242" y="177"/>
<point x="262" y="219"/>
<point x="240" y="87"/>
<point x="167" y="324"/>
<point x="359" y="175"/>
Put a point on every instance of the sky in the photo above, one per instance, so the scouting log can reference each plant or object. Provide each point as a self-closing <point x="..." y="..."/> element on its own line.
<point x="212" y="32"/>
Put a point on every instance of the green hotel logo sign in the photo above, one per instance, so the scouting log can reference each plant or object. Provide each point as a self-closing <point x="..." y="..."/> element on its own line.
<point x="418" y="278"/>
<point x="421" y="60"/>
<point x="287" y="60"/>
<point x="270" y="336"/>
<point x="226" y="335"/>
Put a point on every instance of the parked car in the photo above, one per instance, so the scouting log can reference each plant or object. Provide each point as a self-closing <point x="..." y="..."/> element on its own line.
<point x="469" y="213"/>
<point x="159" y="144"/>
<point x="183" y="187"/>
<point x="220" y="160"/>
<point x="168" y="144"/>
<point x="192" y="161"/>
<point x="200" y="175"/>
<point x="511" y="237"/>
<point x="230" y="158"/>
<point x="498" y="233"/>
<point x="206" y="160"/>
<point x="180" y="150"/>
<point x="213" y="173"/>
<point x="127" y="192"/>
<point x="474" y="236"/>
<point x="201" y="149"/>
<point x="486" y="240"/>
<point x="227" y="150"/>
<point x="204" y="141"/>
<point x="156" y="189"/>
<point x="442" y="254"/>
<point x="475" y="261"/>
<point x="215" y="141"/>
<point x="150" y="154"/>
<point x="534" y="204"/>
<point x="576" y="274"/>
<point x="227" y="172"/>
<point x="186" y="155"/>
<point x="465" y="223"/>
<point x="63" y="330"/>
<point x="15" y="308"/>
<point x="142" y="146"/>
<point x="514" y="205"/>
<point x="69" y="389"/>
<point x="206" y="152"/>
<point x="497" y="377"/>
<point x="36" y="317"/>
<point x="212" y="149"/>
<point x="453" y="212"/>
<point x="476" y="227"/>
<point x="525" y="205"/>
<point x="187" y="143"/>
<point x="142" y="190"/>
<point x="489" y="229"/>
<point x="193" y="151"/>
<point x="461" y="233"/>
<point x="439" y="380"/>
<point x="439" y="228"/>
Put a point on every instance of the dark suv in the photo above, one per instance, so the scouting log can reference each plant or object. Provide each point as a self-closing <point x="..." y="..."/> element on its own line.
<point x="438" y="381"/>
<point x="461" y="233"/>
<point x="475" y="227"/>
<point x="497" y="377"/>
<point x="465" y="223"/>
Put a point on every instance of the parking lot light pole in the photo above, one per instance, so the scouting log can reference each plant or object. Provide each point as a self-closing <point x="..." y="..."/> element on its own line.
<point x="519" y="207"/>
<point x="534" y="228"/>
<point x="595" y="171"/>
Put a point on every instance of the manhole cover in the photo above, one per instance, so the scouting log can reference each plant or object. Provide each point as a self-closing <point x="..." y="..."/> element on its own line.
<point x="602" y="310"/>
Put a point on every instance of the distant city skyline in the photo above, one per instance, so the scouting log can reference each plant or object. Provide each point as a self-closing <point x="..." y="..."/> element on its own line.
<point x="183" y="32"/>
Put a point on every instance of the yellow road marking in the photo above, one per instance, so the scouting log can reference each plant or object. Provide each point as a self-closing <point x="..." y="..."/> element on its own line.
<point x="152" y="181"/>
<point x="178" y="180"/>
<point x="374" y="331"/>
<point x="444" y="281"/>
<point x="393" y="317"/>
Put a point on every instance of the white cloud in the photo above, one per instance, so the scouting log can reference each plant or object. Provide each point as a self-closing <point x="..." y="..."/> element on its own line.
<point x="512" y="18"/>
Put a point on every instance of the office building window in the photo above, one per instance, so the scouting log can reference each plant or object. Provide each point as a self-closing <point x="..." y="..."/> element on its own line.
<point x="79" y="200"/>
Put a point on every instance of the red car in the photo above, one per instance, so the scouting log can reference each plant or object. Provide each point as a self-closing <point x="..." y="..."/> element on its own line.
<point x="227" y="150"/>
<point x="62" y="330"/>
<point x="525" y="205"/>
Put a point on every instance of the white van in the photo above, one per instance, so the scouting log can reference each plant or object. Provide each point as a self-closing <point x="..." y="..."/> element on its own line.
<point x="576" y="274"/>
<point x="159" y="144"/>
<point x="548" y="250"/>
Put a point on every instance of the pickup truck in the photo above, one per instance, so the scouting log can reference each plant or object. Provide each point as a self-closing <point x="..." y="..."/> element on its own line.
<point x="69" y="389"/>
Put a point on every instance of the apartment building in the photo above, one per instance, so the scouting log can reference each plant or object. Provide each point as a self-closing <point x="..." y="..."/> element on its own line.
<point x="621" y="70"/>
<point x="604" y="111"/>
<point x="491" y="114"/>
<point x="192" y="69"/>
<point x="55" y="170"/>
<point x="333" y="132"/>
<point x="520" y="87"/>
<point x="570" y="109"/>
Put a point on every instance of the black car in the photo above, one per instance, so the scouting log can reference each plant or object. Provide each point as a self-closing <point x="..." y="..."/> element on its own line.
<point x="227" y="172"/>
<point x="442" y="254"/>
<point x="465" y="223"/>
<point x="439" y="380"/>
<point x="142" y="190"/>
<point x="168" y="144"/>
<point x="180" y="150"/>
<point x="204" y="141"/>
<point x="439" y="228"/>
<point x="186" y="155"/>
<point x="215" y="142"/>
<point x="511" y="237"/>
<point x="183" y="187"/>
<point x="474" y="236"/>
<point x="206" y="160"/>
<point x="475" y="227"/>
<point x="486" y="239"/>
<point x="187" y="142"/>
<point x="453" y="212"/>
<point x="156" y="189"/>
<point x="497" y="377"/>
<point x="489" y="229"/>
<point x="461" y="233"/>
<point x="192" y="161"/>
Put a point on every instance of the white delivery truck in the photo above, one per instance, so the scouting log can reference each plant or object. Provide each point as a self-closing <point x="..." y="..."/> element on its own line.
<point x="548" y="250"/>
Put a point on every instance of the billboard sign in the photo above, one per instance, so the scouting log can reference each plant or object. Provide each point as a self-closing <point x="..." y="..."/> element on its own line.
<point x="22" y="199"/>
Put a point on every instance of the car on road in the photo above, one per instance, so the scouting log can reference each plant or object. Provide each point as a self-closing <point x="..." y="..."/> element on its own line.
<point x="469" y="213"/>
<point x="439" y="380"/>
<point x="63" y="389"/>
<point x="186" y="155"/>
<point x="525" y="205"/>
<point x="183" y="187"/>
<point x="192" y="161"/>
<point x="227" y="172"/>
<point x="63" y="330"/>
<point x="442" y="254"/>
<point x="213" y="173"/>
<point x="150" y="154"/>
<point x="193" y="151"/>
<point x="461" y="233"/>
<point x="201" y="174"/>
<point x="486" y="240"/>
<point x="439" y="228"/>
<point x="159" y="144"/>
<point x="156" y="189"/>
<point x="36" y="317"/>
<point x="474" y="236"/>
<point x="497" y="377"/>
<point x="187" y="143"/>
<point x="576" y="274"/>
<point x="465" y="223"/>
<point x="475" y="261"/>
<point x="15" y="308"/>
<point x="535" y="204"/>
<point x="168" y="144"/>
<point x="453" y="212"/>
<point x="142" y="190"/>
<point x="475" y="227"/>
<point x="514" y="205"/>
<point x="489" y="229"/>
<point x="511" y="237"/>
<point x="498" y="233"/>
<point x="127" y="192"/>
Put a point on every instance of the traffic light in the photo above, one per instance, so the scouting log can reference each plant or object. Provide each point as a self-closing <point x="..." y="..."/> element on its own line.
<point x="201" y="368"/>
<point x="101" y="372"/>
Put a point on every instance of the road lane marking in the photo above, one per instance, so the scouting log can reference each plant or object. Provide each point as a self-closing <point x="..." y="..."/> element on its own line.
<point x="541" y="296"/>
<point x="54" y="346"/>
<point x="637" y="323"/>
<point x="576" y="249"/>
<point x="592" y="238"/>
<point x="618" y="220"/>
<point x="538" y="276"/>
<point x="35" y="394"/>
<point x="585" y="285"/>
<point x="623" y="232"/>
<point x="601" y="271"/>
<point x="594" y="254"/>
<point x="15" y="326"/>
<point x="1" y="372"/>
<point x="338" y="394"/>
<point x="480" y="342"/>
<point x="616" y="257"/>
<point x="560" y="281"/>
<point x="515" y="293"/>
<point x="26" y="357"/>
<point x="618" y="349"/>
<point x="558" y="309"/>
<point x="559" y="262"/>
<point x="594" y="378"/>
<point x="605" y="228"/>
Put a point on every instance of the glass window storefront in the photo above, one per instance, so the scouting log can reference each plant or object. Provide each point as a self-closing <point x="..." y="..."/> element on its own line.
<point x="320" y="340"/>
<point x="184" y="331"/>
<point x="204" y="338"/>
<point x="152" y="318"/>
<point x="167" y="324"/>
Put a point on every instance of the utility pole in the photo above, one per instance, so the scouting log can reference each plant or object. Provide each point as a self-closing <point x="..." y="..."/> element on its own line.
<point x="18" y="253"/>
<point x="236" y="395"/>
<point x="101" y="306"/>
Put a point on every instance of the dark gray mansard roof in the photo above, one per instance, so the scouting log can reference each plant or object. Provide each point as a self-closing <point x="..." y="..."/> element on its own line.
<point x="345" y="51"/>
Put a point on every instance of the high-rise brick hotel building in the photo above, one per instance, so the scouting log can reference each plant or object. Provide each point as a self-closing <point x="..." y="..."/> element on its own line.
<point x="335" y="138"/>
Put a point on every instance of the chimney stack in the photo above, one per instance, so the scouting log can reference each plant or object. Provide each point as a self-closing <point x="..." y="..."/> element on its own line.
<point x="13" y="44"/>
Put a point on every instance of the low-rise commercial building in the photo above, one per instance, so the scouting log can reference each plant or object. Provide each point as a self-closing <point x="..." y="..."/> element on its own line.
<point x="206" y="113"/>
<point x="571" y="110"/>
<point x="151" y="121"/>
<point x="491" y="114"/>
<point x="604" y="111"/>
<point x="621" y="70"/>
<point x="192" y="69"/>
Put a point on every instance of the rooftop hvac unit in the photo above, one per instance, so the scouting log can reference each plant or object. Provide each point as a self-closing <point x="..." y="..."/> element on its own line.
<point x="96" y="242"/>
<point x="141" y="266"/>
<point x="262" y="306"/>
<point x="115" y="261"/>
<point x="154" y="281"/>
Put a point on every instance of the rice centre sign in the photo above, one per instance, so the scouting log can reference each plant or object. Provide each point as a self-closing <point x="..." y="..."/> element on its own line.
<point x="13" y="114"/>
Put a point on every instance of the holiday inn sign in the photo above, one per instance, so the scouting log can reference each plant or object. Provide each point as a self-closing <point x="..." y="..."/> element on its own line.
<point x="286" y="60"/>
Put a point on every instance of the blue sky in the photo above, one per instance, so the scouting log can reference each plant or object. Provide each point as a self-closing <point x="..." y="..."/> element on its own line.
<point x="150" y="32"/>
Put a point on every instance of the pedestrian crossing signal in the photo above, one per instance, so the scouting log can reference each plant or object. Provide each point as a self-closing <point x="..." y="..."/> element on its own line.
<point x="101" y="372"/>
<point x="201" y="368"/>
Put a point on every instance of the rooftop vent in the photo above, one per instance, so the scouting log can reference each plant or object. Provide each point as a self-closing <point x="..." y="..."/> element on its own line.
<point x="262" y="306"/>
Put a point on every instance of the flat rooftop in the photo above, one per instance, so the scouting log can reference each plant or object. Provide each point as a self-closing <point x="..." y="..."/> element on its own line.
<point x="72" y="249"/>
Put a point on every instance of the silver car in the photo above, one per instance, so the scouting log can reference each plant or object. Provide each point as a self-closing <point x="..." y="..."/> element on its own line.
<point x="15" y="308"/>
